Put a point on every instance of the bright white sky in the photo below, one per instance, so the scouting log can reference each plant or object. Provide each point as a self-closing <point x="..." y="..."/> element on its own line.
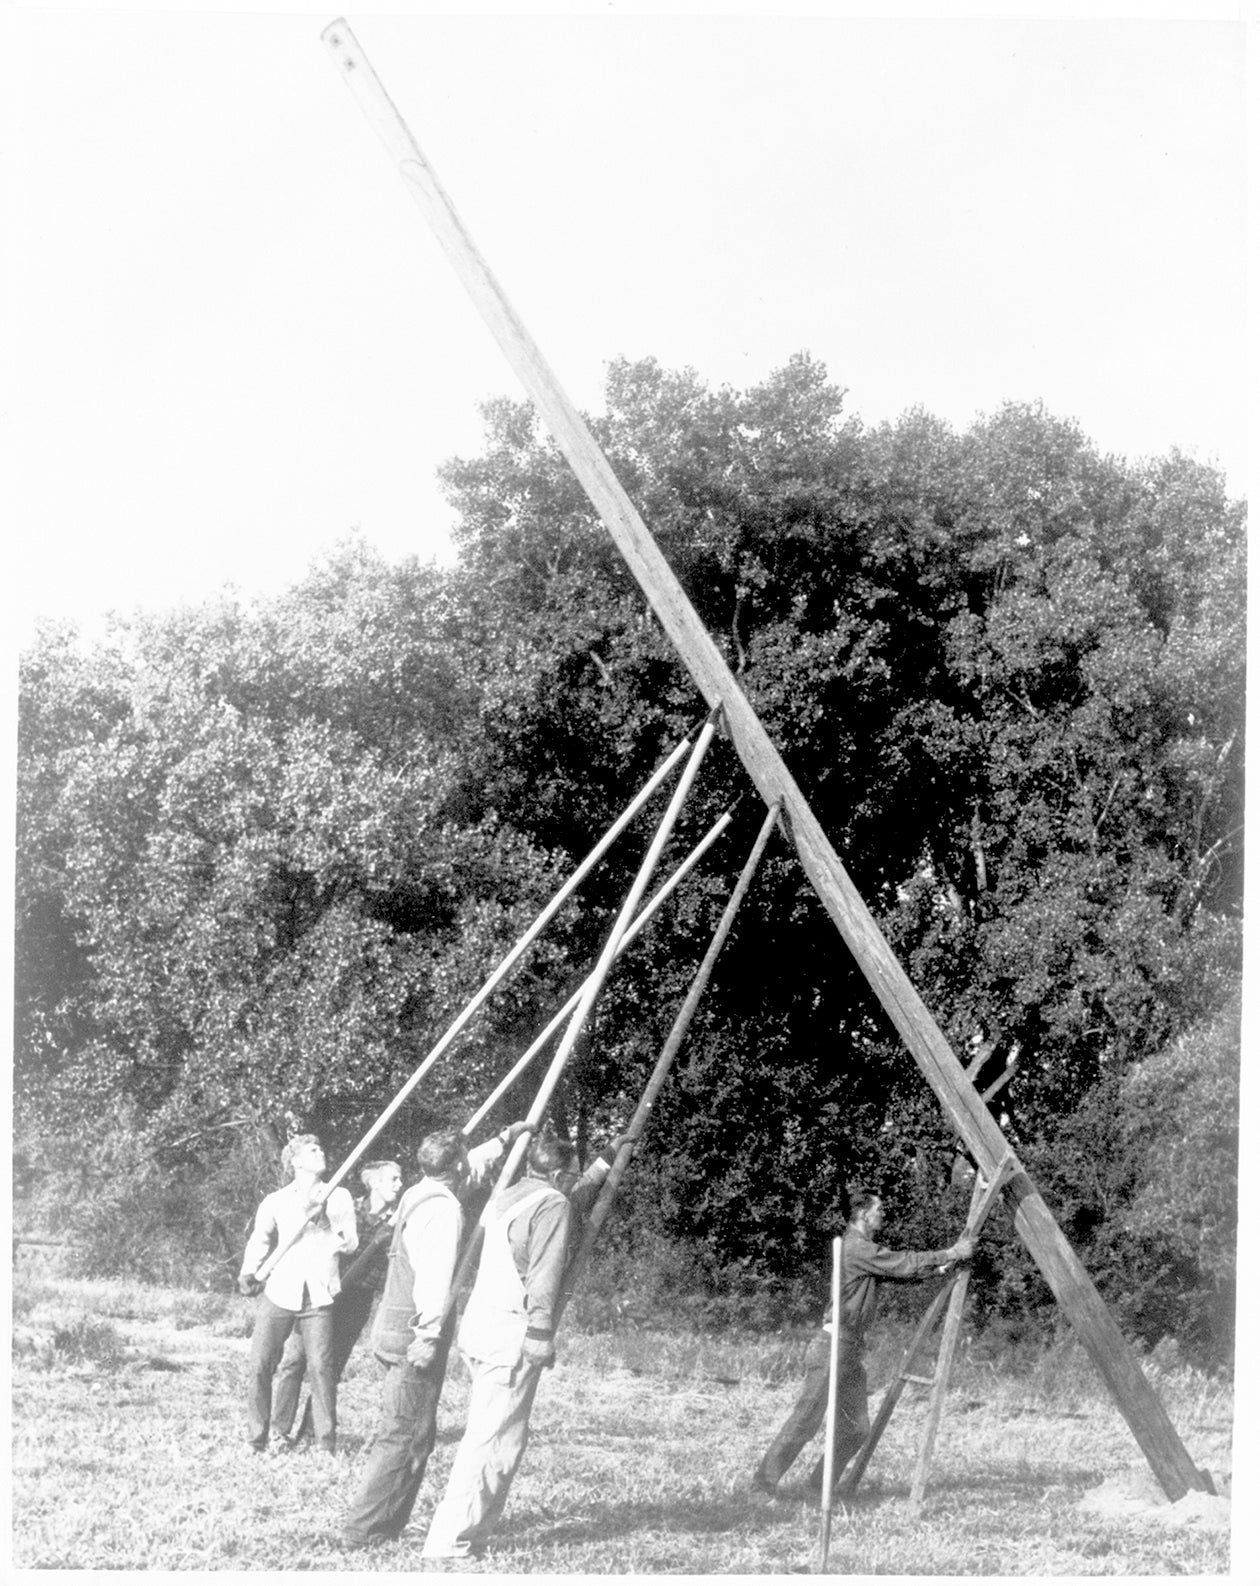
<point x="233" y="338"/>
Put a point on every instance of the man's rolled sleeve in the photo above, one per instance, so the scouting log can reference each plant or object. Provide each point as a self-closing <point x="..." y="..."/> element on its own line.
<point x="481" y="1158"/>
<point x="587" y="1187"/>
<point x="544" y="1274"/>
<point x="341" y="1220"/>
<point x="261" y="1239"/>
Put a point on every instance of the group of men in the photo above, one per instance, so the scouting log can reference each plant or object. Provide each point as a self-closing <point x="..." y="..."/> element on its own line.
<point x="507" y="1334"/>
<point x="310" y="1316"/>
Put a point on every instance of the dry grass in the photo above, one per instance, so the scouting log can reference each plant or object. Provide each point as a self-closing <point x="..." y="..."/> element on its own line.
<point x="128" y="1455"/>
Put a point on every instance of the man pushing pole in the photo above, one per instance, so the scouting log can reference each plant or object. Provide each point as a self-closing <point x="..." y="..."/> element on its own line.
<point x="507" y="1335"/>
<point x="411" y="1336"/>
<point x="492" y="982"/>
<point x="866" y="1264"/>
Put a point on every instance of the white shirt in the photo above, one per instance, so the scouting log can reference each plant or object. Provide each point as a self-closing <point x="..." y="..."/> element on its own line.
<point x="432" y="1238"/>
<point x="310" y="1263"/>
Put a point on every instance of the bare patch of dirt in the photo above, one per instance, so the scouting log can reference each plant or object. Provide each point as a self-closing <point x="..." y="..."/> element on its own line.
<point x="1137" y="1495"/>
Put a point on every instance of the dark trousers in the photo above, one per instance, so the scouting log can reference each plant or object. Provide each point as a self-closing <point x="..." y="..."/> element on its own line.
<point x="272" y="1326"/>
<point x="809" y="1412"/>
<point x="400" y="1450"/>
<point x="350" y="1312"/>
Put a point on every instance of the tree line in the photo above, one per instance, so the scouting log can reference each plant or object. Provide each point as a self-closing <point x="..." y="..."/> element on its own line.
<point x="266" y="851"/>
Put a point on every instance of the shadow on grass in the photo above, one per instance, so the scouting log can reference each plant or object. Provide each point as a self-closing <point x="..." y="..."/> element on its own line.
<point x="745" y="1511"/>
<point x="1030" y="1483"/>
<point x="1069" y="1477"/>
<point x="736" y="1511"/>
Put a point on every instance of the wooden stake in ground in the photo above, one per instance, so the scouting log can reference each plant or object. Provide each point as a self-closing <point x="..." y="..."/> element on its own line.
<point x="833" y="1386"/>
<point x="1068" y="1280"/>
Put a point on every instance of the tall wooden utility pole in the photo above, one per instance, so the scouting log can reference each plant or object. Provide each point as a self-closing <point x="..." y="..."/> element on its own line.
<point x="1070" y="1282"/>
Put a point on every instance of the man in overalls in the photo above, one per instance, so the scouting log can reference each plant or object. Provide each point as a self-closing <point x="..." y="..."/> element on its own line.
<point x="414" y="1323"/>
<point x="507" y="1337"/>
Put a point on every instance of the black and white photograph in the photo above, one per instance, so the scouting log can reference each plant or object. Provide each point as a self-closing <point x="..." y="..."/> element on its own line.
<point x="627" y="717"/>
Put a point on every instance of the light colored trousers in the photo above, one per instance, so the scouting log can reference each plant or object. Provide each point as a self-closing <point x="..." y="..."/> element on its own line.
<point x="487" y="1459"/>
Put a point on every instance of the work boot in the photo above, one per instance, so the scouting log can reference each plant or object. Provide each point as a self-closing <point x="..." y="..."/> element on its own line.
<point x="769" y="1472"/>
<point x="356" y="1541"/>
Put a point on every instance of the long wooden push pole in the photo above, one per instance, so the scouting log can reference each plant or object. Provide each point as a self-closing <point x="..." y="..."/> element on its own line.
<point x="635" y="929"/>
<point x="496" y="977"/>
<point x="541" y="920"/>
<point x="1067" y="1278"/>
<point x="594" y="982"/>
<point x="587" y="994"/>
<point x="665" y="1060"/>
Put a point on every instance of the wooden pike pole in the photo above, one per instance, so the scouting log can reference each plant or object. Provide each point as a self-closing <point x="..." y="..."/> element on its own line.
<point x="590" y="990"/>
<point x="640" y="922"/>
<point x="833" y="1384"/>
<point x="1068" y="1280"/>
<point x="621" y="1160"/>
<point x="594" y="982"/>
<point x="496" y="978"/>
<point x="673" y="1043"/>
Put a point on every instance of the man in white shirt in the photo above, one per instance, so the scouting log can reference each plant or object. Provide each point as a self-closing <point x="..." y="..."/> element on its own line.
<point x="300" y="1289"/>
<point x="361" y="1281"/>
<point x="413" y="1328"/>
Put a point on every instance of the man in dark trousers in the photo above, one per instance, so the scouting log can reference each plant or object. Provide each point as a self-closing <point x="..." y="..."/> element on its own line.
<point x="863" y="1265"/>
<point x="361" y="1281"/>
<point x="314" y="1225"/>
<point x="414" y="1322"/>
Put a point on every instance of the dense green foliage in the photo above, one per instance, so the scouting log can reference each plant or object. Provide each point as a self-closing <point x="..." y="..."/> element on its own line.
<point x="266" y="853"/>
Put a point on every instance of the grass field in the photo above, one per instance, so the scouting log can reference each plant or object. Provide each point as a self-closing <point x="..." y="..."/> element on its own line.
<point x="128" y="1455"/>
